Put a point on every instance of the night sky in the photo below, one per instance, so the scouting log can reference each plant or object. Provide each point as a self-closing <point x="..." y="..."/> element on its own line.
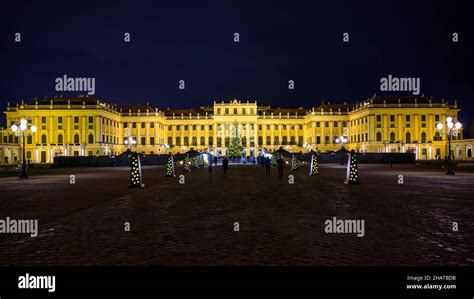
<point x="279" y="41"/>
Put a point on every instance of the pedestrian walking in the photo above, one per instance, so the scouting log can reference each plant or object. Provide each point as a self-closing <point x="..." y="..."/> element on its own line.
<point x="267" y="166"/>
<point x="281" y="167"/>
<point x="225" y="165"/>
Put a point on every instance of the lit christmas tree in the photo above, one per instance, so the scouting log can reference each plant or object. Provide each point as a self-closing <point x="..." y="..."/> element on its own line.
<point x="187" y="164"/>
<point x="274" y="161"/>
<point x="135" y="172"/>
<point x="294" y="164"/>
<point x="352" y="175"/>
<point x="195" y="162"/>
<point x="314" y="168"/>
<point x="235" y="146"/>
<point x="170" y="166"/>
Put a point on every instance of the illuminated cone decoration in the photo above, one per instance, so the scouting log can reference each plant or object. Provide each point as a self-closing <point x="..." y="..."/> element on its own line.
<point x="136" y="172"/>
<point x="170" y="166"/>
<point x="352" y="176"/>
<point x="294" y="164"/>
<point x="195" y="162"/>
<point x="187" y="164"/>
<point x="314" y="169"/>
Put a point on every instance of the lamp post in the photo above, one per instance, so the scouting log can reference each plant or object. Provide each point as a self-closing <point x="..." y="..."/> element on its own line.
<point x="20" y="130"/>
<point x="341" y="141"/>
<point x="130" y="141"/>
<point x="451" y="129"/>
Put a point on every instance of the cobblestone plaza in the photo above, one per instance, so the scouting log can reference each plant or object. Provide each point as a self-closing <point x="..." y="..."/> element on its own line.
<point x="192" y="224"/>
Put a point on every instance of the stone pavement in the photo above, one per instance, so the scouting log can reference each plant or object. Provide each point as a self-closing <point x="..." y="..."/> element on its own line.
<point x="280" y="224"/>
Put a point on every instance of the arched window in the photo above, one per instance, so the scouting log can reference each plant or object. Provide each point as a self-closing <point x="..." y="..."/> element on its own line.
<point x="437" y="137"/>
<point x="178" y="141"/>
<point x="170" y="141"/>
<point x="194" y="141"/>
<point x="260" y="140"/>
<point x="392" y="137"/>
<point x="203" y="140"/>
<point x="60" y="139"/>
<point x="211" y="141"/>
<point x="292" y="140"/>
<point x="285" y="140"/>
<point x="423" y="137"/>
<point x="76" y="138"/>
<point x="44" y="139"/>
<point x="379" y="136"/>
<point x="408" y="137"/>
<point x="91" y="138"/>
<point x="186" y="141"/>
<point x="269" y="140"/>
<point x="276" y="141"/>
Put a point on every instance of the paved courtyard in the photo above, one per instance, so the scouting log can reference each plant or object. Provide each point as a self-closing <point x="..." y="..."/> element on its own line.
<point x="280" y="224"/>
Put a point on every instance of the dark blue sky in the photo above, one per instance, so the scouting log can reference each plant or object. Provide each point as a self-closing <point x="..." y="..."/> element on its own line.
<point x="279" y="41"/>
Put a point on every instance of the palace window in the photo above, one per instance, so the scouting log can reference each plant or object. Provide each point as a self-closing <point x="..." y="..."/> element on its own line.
<point x="143" y="141"/>
<point x="276" y="141"/>
<point x="423" y="118"/>
<point x="203" y="140"/>
<point x="335" y="124"/>
<point x="202" y="127"/>
<point x="318" y="139"/>
<point x="170" y="141"/>
<point x="44" y="139"/>
<point x="268" y="141"/>
<point x="260" y="140"/>
<point x="194" y="141"/>
<point x="243" y="110"/>
<point x="91" y="138"/>
<point x="60" y="139"/>
<point x="186" y="141"/>
<point x="194" y="127"/>
<point x="218" y="111"/>
<point x="318" y="124"/>
<point x="284" y="141"/>
<point x="408" y="137"/>
<point x="29" y="139"/>
<point x="378" y="136"/>
<point x="226" y="111"/>
<point x="423" y="137"/>
<point x="407" y="118"/>
<point x="134" y="125"/>
<point x="76" y="138"/>
<point x="178" y="141"/>
<point x="292" y="140"/>
<point x="210" y="127"/>
<point x="235" y="111"/>
<point x="143" y="125"/>
<point x="152" y="125"/>
<point x="210" y="141"/>
<point x="437" y="118"/>
<point x="300" y="140"/>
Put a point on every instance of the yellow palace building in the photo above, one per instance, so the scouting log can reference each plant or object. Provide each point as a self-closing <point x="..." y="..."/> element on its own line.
<point x="88" y="126"/>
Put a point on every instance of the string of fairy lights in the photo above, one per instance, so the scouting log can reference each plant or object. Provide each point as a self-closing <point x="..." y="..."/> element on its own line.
<point x="314" y="169"/>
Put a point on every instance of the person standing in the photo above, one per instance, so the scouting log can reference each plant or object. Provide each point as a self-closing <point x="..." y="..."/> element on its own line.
<point x="225" y="164"/>
<point x="215" y="160"/>
<point x="267" y="166"/>
<point x="281" y="167"/>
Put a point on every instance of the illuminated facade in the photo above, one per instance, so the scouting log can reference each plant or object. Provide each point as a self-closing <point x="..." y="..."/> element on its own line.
<point x="87" y="126"/>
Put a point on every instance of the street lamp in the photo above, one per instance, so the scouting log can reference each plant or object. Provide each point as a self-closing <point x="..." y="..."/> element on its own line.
<point x="130" y="142"/>
<point x="21" y="130"/>
<point x="451" y="129"/>
<point x="341" y="141"/>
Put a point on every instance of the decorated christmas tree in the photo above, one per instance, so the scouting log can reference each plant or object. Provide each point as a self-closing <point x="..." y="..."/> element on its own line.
<point x="170" y="166"/>
<point x="274" y="161"/>
<point x="136" y="180"/>
<point x="187" y="164"/>
<point x="294" y="163"/>
<point x="195" y="162"/>
<point x="235" y="146"/>
<point x="314" y="168"/>
<point x="352" y="175"/>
